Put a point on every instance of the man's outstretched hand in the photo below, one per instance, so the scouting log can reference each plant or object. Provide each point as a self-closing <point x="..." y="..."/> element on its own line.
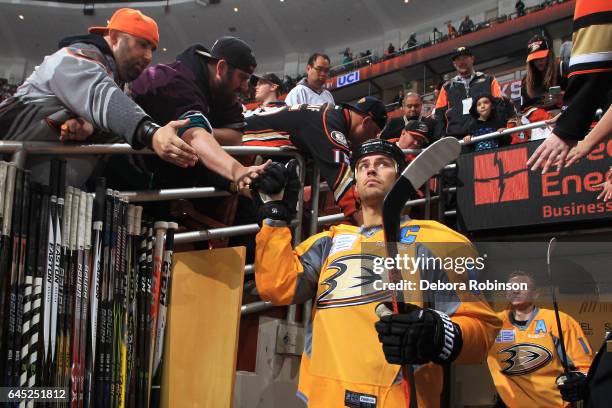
<point x="247" y="175"/>
<point x="552" y="152"/>
<point x="171" y="148"/>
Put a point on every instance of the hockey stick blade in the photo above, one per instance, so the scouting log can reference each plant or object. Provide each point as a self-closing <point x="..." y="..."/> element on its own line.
<point x="426" y="165"/>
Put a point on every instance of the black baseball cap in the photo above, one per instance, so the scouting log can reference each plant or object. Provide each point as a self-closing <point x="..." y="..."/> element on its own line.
<point x="372" y="107"/>
<point x="459" y="51"/>
<point x="270" y="77"/>
<point x="236" y="52"/>
<point x="419" y="128"/>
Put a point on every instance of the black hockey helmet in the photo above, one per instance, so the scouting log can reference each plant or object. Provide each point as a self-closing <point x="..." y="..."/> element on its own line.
<point x="380" y="146"/>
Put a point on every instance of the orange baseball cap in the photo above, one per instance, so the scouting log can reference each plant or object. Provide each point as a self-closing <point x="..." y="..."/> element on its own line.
<point x="537" y="47"/>
<point x="132" y="22"/>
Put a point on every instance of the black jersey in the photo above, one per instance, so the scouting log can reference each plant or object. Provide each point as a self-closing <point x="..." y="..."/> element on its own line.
<point x="321" y="131"/>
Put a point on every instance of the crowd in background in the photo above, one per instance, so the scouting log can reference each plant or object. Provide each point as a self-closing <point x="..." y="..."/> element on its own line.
<point x="6" y="89"/>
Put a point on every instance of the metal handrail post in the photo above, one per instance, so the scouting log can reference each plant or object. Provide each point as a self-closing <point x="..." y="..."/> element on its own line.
<point x="297" y="232"/>
<point x="440" y="191"/>
<point x="255" y="307"/>
<point x="427" y="201"/>
<point x="314" y="226"/>
<point x="314" y="200"/>
<point x="173" y="194"/>
<point x="18" y="158"/>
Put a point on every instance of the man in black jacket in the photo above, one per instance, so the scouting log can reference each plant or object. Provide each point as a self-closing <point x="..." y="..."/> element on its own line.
<point x="455" y="98"/>
<point x="413" y="110"/>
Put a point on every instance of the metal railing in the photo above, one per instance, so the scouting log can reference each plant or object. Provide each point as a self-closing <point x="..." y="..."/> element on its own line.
<point x="21" y="149"/>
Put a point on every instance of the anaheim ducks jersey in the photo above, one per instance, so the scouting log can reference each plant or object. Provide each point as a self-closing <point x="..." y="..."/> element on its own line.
<point x="343" y="363"/>
<point x="525" y="360"/>
<point x="320" y="131"/>
<point x="591" y="49"/>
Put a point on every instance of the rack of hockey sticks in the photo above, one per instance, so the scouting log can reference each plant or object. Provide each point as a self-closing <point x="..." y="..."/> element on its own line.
<point x="84" y="291"/>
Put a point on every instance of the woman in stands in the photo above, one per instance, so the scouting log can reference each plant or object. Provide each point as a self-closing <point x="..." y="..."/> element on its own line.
<point x="542" y="74"/>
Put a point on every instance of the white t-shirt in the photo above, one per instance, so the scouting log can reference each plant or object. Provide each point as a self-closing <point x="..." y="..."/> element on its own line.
<point x="304" y="94"/>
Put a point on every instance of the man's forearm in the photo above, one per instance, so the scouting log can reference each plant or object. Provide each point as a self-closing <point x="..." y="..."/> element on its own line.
<point x="211" y="153"/>
<point x="582" y="98"/>
<point x="228" y="137"/>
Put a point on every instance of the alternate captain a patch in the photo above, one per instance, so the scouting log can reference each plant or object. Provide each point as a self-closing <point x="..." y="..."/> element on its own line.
<point x="540" y="327"/>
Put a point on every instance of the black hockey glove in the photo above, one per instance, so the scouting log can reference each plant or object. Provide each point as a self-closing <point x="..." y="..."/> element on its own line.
<point x="418" y="336"/>
<point x="275" y="192"/>
<point x="573" y="387"/>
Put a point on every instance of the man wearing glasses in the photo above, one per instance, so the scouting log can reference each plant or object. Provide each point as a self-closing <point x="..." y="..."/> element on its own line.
<point x="310" y="89"/>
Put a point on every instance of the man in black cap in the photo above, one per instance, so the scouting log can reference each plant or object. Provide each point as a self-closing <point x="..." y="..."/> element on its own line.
<point x="204" y="87"/>
<point x="326" y="133"/>
<point x="267" y="92"/>
<point x="455" y="98"/>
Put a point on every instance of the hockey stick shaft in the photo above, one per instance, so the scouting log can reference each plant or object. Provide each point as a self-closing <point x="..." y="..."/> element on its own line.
<point x="164" y="298"/>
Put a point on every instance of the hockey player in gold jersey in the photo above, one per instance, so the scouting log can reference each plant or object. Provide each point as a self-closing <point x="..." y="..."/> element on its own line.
<point x="525" y="361"/>
<point x="343" y="363"/>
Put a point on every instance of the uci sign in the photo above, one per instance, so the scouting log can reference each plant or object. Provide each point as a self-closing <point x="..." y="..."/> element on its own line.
<point x="350" y="78"/>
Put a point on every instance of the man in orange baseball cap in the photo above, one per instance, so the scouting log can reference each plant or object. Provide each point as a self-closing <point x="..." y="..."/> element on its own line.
<point x="132" y="37"/>
<point x="77" y="92"/>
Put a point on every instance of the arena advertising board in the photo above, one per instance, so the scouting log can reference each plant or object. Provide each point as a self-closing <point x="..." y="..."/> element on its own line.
<point x="347" y="79"/>
<point x="497" y="190"/>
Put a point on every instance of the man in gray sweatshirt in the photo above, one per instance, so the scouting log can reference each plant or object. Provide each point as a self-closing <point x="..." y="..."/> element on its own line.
<point x="84" y="80"/>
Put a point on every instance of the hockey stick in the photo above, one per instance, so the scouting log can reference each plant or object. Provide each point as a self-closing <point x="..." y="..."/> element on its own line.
<point x="120" y="304"/>
<point x="58" y="274"/>
<point x="63" y="296"/>
<point x="37" y="354"/>
<point x="564" y="359"/>
<point x="49" y="348"/>
<point x="5" y="259"/>
<point x="77" y="293"/>
<point x="12" y="279"/>
<point x="72" y="255"/>
<point x="3" y="171"/>
<point x="144" y="270"/>
<point x="28" y="327"/>
<point x="426" y="165"/>
<point x="551" y="247"/>
<point x="102" y="387"/>
<point x="133" y="305"/>
<point x="84" y="298"/>
<point x="160" y="232"/>
<point x="23" y="264"/>
<point x="111" y="325"/>
<point x="164" y="298"/>
<point x="94" y="295"/>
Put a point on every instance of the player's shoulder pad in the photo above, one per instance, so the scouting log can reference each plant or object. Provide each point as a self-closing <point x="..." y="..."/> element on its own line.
<point x="311" y="241"/>
<point x="566" y="317"/>
<point x="503" y="315"/>
<point x="343" y="229"/>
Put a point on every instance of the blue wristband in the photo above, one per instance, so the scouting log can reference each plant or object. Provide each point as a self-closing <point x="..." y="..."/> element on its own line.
<point x="196" y="119"/>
